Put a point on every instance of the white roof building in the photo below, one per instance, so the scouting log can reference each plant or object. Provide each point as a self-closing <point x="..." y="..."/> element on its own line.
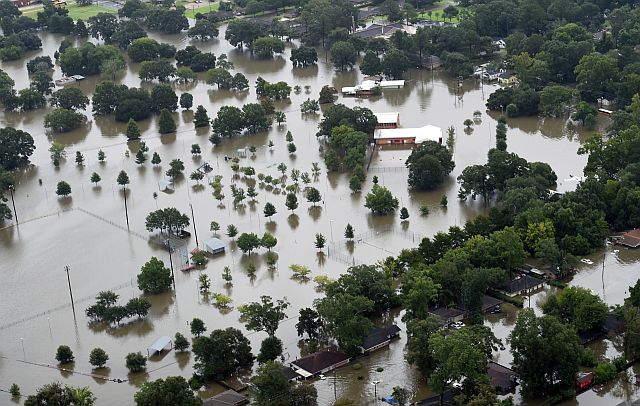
<point x="418" y="135"/>
<point x="387" y="118"/>
<point x="369" y="85"/>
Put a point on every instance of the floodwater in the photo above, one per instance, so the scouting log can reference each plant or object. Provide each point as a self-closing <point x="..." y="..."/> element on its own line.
<point x="87" y="231"/>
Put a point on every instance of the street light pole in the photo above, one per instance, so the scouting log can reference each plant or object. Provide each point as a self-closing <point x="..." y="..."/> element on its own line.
<point x="15" y="214"/>
<point x="375" y="389"/>
<point x="66" y="268"/>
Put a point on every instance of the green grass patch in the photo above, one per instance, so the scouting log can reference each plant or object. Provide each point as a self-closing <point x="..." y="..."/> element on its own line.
<point x="437" y="15"/>
<point x="202" y="8"/>
<point x="76" y="12"/>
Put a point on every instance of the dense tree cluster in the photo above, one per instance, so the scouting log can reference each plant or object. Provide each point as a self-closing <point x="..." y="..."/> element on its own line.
<point x="219" y="354"/>
<point x="343" y="313"/>
<point x="359" y="118"/>
<point x="169" y="220"/>
<point x="106" y="310"/>
<point x="132" y="103"/>
<point x="232" y="121"/>
<point x="429" y="164"/>
<point x="347" y="148"/>
<point x="88" y="59"/>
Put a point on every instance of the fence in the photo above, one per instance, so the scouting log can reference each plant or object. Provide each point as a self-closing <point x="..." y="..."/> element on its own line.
<point x="337" y="253"/>
<point x="388" y="169"/>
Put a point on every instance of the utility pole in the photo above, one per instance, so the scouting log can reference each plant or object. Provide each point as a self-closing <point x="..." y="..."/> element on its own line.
<point x="193" y="219"/>
<point x="126" y="210"/>
<point x="173" y="278"/>
<point x="66" y="268"/>
<point x="15" y="214"/>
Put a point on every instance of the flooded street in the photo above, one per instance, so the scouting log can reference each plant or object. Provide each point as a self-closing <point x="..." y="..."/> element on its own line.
<point x="87" y="231"/>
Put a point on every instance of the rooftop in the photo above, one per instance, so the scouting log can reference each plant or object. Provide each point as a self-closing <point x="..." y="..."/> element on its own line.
<point x="214" y="244"/>
<point x="446" y="312"/>
<point x="387" y="118"/>
<point x="631" y="238"/>
<point x="290" y="373"/>
<point x="379" y="335"/>
<point x="159" y="345"/>
<point x="421" y="134"/>
<point x="521" y="283"/>
<point x="502" y="378"/>
<point x="226" y="398"/>
<point x="318" y="361"/>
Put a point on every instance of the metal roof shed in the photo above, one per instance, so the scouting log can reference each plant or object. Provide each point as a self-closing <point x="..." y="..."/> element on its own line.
<point x="165" y="185"/>
<point x="214" y="246"/>
<point x="158" y="346"/>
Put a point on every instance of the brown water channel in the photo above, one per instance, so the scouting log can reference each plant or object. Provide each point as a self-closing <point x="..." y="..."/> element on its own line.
<point x="35" y="315"/>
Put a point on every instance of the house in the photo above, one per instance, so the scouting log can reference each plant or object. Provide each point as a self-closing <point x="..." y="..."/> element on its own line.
<point x="319" y="362"/>
<point x="521" y="285"/>
<point x="370" y="87"/>
<point x="583" y="380"/>
<point x="490" y="303"/>
<point x="290" y="373"/>
<point x="503" y="379"/>
<point x="387" y="120"/>
<point x="629" y="239"/>
<point x="507" y="79"/>
<point x="226" y="398"/>
<point x="214" y="246"/>
<point x="499" y="43"/>
<point x="379" y="337"/>
<point x="434" y="62"/>
<point x="21" y="3"/>
<point x="377" y="29"/>
<point x="419" y="135"/>
<point x="365" y="14"/>
<point x="492" y="74"/>
<point x="448" y="315"/>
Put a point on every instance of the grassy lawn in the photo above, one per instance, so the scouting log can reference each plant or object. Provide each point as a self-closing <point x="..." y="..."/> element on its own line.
<point x="438" y="15"/>
<point x="75" y="12"/>
<point x="200" y="8"/>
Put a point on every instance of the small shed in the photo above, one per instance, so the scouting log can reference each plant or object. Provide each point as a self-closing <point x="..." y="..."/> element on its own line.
<point x="242" y="153"/>
<point x="214" y="246"/>
<point x="165" y="185"/>
<point x="159" y="345"/>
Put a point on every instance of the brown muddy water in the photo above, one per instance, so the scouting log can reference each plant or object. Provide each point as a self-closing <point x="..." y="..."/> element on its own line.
<point x="87" y="231"/>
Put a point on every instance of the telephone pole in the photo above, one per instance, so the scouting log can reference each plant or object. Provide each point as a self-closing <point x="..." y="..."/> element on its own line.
<point x="126" y="210"/>
<point x="66" y="268"/>
<point x="193" y="220"/>
<point x="15" y="214"/>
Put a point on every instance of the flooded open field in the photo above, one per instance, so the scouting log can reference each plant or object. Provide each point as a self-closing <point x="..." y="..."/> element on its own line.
<point x="88" y="233"/>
